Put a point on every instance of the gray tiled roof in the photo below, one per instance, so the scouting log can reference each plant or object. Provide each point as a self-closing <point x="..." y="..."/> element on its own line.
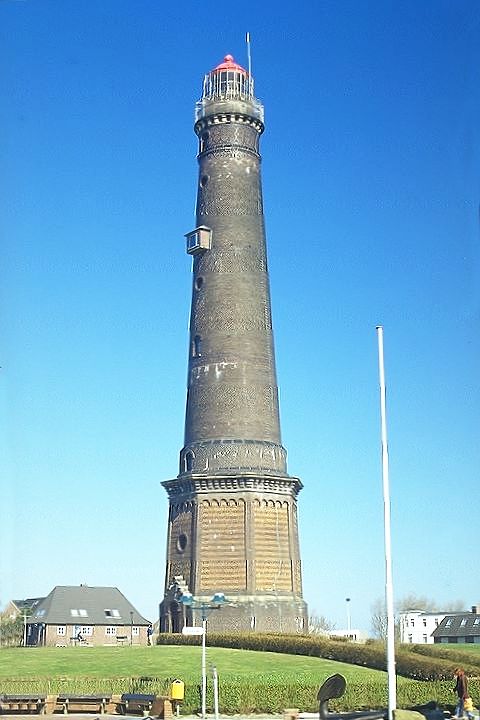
<point x="84" y="605"/>
<point x="28" y="605"/>
<point x="451" y="626"/>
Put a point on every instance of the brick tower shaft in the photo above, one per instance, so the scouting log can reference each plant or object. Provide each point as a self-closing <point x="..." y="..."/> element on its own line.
<point x="232" y="522"/>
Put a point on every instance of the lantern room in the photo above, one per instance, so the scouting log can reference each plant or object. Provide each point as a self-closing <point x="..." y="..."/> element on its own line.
<point x="228" y="84"/>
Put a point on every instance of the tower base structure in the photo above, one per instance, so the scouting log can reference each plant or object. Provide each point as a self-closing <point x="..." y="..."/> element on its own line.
<point x="234" y="534"/>
<point x="241" y="613"/>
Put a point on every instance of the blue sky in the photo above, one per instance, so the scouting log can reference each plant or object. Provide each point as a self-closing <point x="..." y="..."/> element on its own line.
<point x="371" y="191"/>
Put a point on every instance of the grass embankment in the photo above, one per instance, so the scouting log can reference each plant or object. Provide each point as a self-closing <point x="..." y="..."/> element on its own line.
<point x="250" y="681"/>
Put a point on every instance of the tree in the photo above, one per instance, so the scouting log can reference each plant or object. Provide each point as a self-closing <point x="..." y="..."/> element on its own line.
<point x="408" y="602"/>
<point x="418" y="602"/>
<point x="319" y="624"/>
<point x="379" y="619"/>
<point x="11" y="631"/>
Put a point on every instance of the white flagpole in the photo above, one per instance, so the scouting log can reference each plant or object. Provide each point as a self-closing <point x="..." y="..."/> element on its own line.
<point x="392" y="687"/>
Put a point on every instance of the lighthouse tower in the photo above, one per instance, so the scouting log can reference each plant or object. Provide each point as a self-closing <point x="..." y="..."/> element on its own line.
<point x="232" y="524"/>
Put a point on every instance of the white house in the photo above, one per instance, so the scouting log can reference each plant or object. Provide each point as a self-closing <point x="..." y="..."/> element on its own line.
<point x="417" y="626"/>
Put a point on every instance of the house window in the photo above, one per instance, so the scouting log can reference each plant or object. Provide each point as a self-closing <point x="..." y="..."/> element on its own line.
<point x="463" y="622"/>
<point x="436" y="622"/>
<point x="410" y="638"/>
<point x="110" y="630"/>
<point x="425" y="638"/>
<point x="135" y="631"/>
<point x="412" y="623"/>
<point x="75" y="612"/>
<point x="448" y="622"/>
<point x="424" y="622"/>
<point x="86" y="630"/>
<point x="61" y="630"/>
<point x="112" y="613"/>
<point x="476" y="621"/>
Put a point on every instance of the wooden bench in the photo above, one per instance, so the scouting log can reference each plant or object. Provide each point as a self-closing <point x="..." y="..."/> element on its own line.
<point x="144" y="704"/>
<point x="83" y="703"/>
<point x="26" y="702"/>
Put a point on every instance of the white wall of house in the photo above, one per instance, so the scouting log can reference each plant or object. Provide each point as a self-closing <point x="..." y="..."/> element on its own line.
<point x="417" y="626"/>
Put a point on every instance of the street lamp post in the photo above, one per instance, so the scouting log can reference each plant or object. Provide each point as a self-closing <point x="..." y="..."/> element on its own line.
<point x="131" y="627"/>
<point x="349" y="624"/>
<point x="214" y="604"/>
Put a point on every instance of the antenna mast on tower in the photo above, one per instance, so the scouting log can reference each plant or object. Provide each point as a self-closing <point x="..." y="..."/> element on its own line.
<point x="249" y="56"/>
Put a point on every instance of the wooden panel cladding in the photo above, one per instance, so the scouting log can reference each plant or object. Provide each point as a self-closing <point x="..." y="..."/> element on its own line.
<point x="273" y="564"/>
<point x="222" y="545"/>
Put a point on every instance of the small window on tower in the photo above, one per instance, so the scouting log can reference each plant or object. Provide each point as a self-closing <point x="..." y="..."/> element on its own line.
<point x="203" y="141"/>
<point x="197" y="346"/>
<point x="182" y="542"/>
<point x="189" y="458"/>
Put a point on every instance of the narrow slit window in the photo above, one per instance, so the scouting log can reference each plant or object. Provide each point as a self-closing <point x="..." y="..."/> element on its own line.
<point x="197" y="346"/>
<point x="189" y="457"/>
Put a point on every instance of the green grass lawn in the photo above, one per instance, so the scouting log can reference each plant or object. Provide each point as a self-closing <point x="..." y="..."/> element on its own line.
<point x="250" y="681"/>
<point x="454" y="647"/>
<point x="165" y="661"/>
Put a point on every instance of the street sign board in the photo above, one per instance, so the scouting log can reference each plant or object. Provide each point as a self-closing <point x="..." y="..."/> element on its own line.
<point x="192" y="630"/>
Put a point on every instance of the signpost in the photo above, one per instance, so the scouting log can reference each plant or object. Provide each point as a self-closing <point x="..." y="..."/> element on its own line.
<point x="192" y="630"/>
<point x="214" y="604"/>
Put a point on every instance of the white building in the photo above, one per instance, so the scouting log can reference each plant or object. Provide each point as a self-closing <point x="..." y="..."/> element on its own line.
<point x="355" y="635"/>
<point x="417" y="626"/>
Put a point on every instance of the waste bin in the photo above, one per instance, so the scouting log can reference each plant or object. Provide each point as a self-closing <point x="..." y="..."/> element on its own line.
<point x="177" y="690"/>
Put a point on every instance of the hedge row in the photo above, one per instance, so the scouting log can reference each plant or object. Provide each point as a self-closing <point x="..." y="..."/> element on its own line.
<point x="88" y="685"/>
<point x="408" y="663"/>
<point x="461" y="655"/>
<point x="261" y="694"/>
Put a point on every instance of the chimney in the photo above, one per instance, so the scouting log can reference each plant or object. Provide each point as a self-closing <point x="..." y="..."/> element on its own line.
<point x="475" y="609"/>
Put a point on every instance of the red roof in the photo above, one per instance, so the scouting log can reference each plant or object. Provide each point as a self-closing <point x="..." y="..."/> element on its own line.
<point x="229" y="64"/>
